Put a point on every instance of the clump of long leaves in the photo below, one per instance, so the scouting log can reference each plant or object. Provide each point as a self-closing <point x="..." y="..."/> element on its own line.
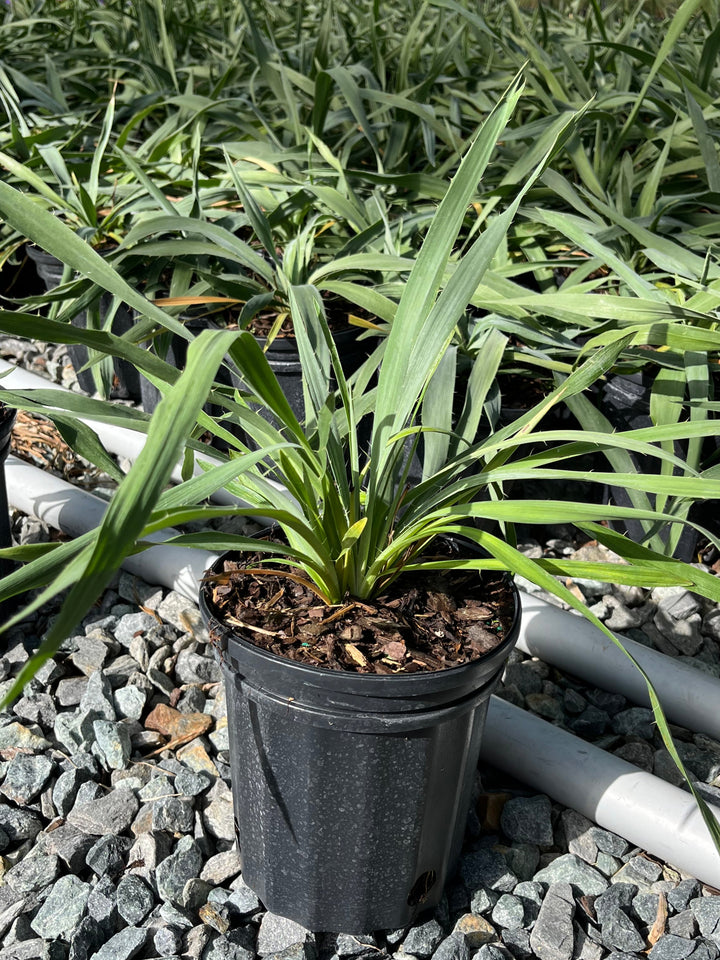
<point x="351" y="521"/>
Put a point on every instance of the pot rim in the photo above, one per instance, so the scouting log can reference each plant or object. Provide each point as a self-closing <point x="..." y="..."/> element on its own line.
<point x="315" y="673"/>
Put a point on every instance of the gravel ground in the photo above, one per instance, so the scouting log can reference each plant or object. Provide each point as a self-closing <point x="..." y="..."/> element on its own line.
<point x="116" y="826"/>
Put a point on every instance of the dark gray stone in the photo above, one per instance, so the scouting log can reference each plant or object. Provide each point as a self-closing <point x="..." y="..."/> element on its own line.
<point x="70" y="691"/>
<point x="617" y="897"/>
<point x="129" y="701"/>
<point x="528" y="820"/>
<point x="184" y="863"/>
<point x="167" y="941"/>
<point x="645" y="907"/>
<point x="69" y="843"/>
<point x="108" y="855"/>
<point x="133" y="623"/>
<point x="577" y="831"/>
<point x="195" y="894"/>
<point x="347" y="945"/>
<point x="113" y="744"/>
<point x="683" y="924"/>
<point x="684" y="635"/>
<point x="134" y="900"/>
<point x="486" y="868"/>
<point x="276" y="933"/>
<point x="124" y="945"/>
<point x="243" y="901"/>
<point x="102" y="903"/>
<point x="571" y="869"/>
<point x="609" y="842"/>
<point x="453" y="947"/>
<point x="87" y="792"/>
<point x="191" y="784"/>
<point x="509" y="912"/>
<point x="619" y="932"/>
<point x="611" y="703"/>
<point x="492" y="951"/>
<point x="63" y="909"/>
<point x="156" y="788"/>
<point x="637" y="752"/>
<point x="483" y="900"/>
<point x="531" y="896"/>
<point x="591" y="723"/>
<point x="193" y="668"/>
<point x="111" y="814"/>
<point x="707" y="914"/>
<point x="523" y="677"/>
<point x="37" y="708"/>
<point x="518" y="943"/>
<point x="223" y="948"/>
<point x="97" y="697"/>
<point x="679" y="898"/>
<point x="173" y="814"/>
<point x="89" y="936"/>
<point x="640" y="871"/>
<point x="573" y="702"/>
<point x="422" y="940"/>
<point x="523" y="859"/>
<point x="552" y="935"/>
<point x="66" y="788"/>
<point x="178" y="918"/>
<point x="26" y="777"/>
<point x="670" y="947"/>
<point x="33" y="872"/>
<point x="634" y="722"/>
<point x="585" y="946"/>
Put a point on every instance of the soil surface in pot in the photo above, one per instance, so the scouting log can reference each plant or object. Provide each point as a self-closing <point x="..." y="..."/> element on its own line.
<point x="422" y="622"/>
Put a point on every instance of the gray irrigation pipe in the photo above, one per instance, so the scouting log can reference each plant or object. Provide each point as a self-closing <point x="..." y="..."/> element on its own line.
<point x="570" y="642"/>
<point x="121" y="441"/>
<point x="655" y="815"/>
<point x="74" y="511"/>
<point x="652" y="814"/>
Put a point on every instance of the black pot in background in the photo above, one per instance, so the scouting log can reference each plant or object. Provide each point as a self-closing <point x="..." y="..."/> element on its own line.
<point x="351" y="792"/>
<point x="284" y="360"/>
<point x="18" y="279"/>
<point x="7" y="419"/>
<point x="625" y="401"/>
<point x="126" y="384"/>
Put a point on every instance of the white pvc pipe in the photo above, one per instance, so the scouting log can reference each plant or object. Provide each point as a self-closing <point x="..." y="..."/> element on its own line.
<point x="573" y="644"/>
<point x="75" y="511"/>
<point x="647" y="811"/>
<point x="119" y="440"/>
<point x="650" y="813"/>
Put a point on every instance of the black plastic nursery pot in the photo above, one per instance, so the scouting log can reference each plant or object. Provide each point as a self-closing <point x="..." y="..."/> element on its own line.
<point x="126" y="385"/>
<point x="7" y="420"/>
<point x="625" y="401"/>
<point x="351" y="791"/>
<point x="282" y="356"/>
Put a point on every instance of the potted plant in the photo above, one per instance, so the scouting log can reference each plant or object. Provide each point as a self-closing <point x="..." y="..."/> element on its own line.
<point x="362" y="553"/>
<point x="235" y="268"/>
<point x="84" y="190"/>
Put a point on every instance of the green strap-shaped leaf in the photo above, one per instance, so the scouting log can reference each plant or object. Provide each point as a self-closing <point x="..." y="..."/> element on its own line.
<point x="137" y="496"/>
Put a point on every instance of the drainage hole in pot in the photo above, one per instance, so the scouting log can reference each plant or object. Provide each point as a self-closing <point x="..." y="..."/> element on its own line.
<point x="421" y="888"/>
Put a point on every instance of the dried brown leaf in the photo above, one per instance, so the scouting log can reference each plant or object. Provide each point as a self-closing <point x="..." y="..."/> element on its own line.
<point x="658" y="928"/>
